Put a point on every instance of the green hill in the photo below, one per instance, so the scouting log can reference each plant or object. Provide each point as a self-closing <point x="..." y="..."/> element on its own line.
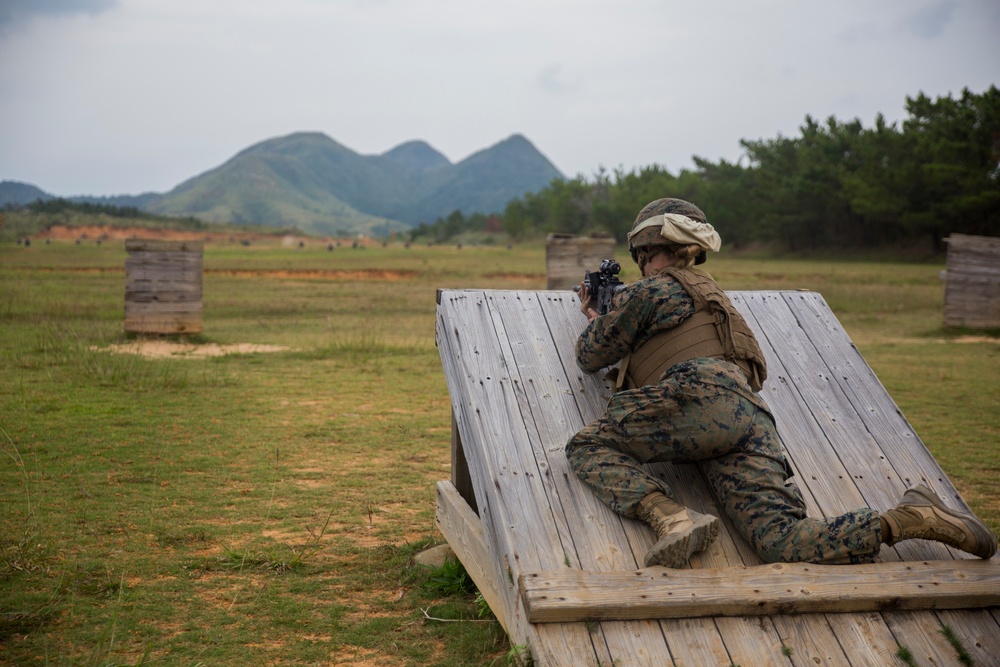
<point x="309" y="181"/>
<point x="282" y="183"/>
<point x="15" y="193"/>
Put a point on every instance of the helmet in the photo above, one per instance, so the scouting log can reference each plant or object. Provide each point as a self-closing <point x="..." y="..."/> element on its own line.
<point x="694" y="231"/>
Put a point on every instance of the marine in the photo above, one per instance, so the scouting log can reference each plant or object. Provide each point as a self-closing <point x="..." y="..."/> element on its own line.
<point x="688" y="377"/>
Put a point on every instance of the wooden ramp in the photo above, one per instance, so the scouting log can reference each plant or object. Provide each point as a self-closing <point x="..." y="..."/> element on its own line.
<point x="563" y="573"/>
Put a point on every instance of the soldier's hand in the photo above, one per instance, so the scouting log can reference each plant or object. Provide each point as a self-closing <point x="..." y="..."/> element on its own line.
<point x="587" y="302"/>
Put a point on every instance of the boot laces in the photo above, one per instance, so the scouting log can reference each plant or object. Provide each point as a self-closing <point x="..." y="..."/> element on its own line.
<point x="930" y="526"/>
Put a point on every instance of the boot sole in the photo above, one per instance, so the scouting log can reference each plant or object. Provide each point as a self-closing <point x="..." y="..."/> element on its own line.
<point x="676" y="550"/>
<point x="985" y="541"/>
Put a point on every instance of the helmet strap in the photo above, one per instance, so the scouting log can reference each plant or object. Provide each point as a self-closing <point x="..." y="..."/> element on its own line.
<point x="648" y="252"/>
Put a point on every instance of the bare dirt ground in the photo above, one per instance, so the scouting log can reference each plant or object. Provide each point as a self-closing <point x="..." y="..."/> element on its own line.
<point x="112" y="233"/>
<point x="154" y="348"/>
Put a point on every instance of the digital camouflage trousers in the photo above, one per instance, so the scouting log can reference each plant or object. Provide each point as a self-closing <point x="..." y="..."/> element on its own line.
<point x="707" y="414"/>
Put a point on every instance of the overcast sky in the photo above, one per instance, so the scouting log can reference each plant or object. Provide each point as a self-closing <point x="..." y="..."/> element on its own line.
<point x="126" y="96"/>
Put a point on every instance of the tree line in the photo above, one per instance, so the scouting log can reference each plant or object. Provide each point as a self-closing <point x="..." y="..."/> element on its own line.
<point x="836" y="184"/>
<point x="61" y="205"/>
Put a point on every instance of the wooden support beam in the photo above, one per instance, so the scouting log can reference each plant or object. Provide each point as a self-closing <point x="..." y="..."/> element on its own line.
<point x="761" y="590"/>
<point x="464" y="532"/>
<point x="460" y="475"/>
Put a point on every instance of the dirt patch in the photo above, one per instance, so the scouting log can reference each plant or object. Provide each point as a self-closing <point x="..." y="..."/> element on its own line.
<point x="97" y="233"/>
<point x="316" y="274"/>
<point x="355" y="275"/>
<point x="977" y="339"/>
<point x="111" y="233"/>
<point x="516" y="277"/>
<point x="959" y="340"/>
<point x="165" y="348"/>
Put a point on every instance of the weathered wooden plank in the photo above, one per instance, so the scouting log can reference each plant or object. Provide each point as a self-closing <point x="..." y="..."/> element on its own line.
<point x="977" y="630"/>
<point x="778" y="588"/>
<point x="972" y="282"/>
<point x="547" y="401"/>
<point x="163" y="286"/>
<point x="591" y="536"/>
<point x="460" y="477"/>
<point x="173" y="267"/>
<point x="828" y="406"/>
<point x="493" y="441"/>
<point x="163" y="245"/>
<point x="965" y="249"/>
<point x="688" y="642"/>
<point x="479" y="380"/>
<point x="165" y="259"/>
<point x="808" y="640"/>
<point x="894" y="440"/>
<point x="568" y="258"/>
<point x="552" y="413"/>
<point x="735" y="637"/>
<point x="163" y="308"/>
<point x="161" y="296"/>
<point x="865" y="638"/>
<point x="192" y="280"/>
<point x="137" y="314"/>
<point x="920" y="633"/>
<point x="464" y="532"/>
<point x="160" y="326"/>
<point x="743" y="639"/>
<point x="873" y="626"/>
<point x="190" y="275"/>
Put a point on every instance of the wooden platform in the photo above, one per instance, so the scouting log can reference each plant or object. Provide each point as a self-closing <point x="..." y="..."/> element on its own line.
<point x="562" y="572"/>
<point x="163" y="286"/>
<point x="972" y="282"/>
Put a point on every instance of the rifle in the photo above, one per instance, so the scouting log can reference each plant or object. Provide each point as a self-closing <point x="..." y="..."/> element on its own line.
<point x="603" y="284"/>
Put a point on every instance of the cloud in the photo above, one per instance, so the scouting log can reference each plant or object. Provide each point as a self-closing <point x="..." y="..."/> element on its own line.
<point x="924" y="23"/>
<point x="554" y="79"/>
<point x="931" y="21"/>
<point x="14" y="11"/>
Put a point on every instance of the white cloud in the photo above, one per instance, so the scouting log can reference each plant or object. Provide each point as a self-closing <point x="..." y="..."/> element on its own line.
<point x="142" y="94"/>
<point x="13" y="11"/>
<point x="931" y="21"/>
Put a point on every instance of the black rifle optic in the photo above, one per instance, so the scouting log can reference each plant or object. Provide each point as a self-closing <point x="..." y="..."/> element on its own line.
<point x="603" y="284"/>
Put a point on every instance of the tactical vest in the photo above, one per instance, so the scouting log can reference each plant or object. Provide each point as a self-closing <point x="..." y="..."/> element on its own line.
<point x="715" y="330"/>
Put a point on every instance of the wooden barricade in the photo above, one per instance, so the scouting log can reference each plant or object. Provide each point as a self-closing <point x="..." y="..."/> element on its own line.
<point x="564" y="574"/>
<point x="163" y="286"/>
<point x="972" y="282"/>
<point x="568" y="257"/>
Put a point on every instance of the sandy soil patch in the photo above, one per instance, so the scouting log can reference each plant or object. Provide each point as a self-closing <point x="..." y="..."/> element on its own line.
<point x="977" y="339"/>
<point x="165" y="348"/>
<point x="92" y="233"/>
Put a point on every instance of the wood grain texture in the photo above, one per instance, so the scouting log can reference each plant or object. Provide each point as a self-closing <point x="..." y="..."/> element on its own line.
<point x="518" y="396"/>
<point x="163" y="286"/>
<point x="760" y="590"/>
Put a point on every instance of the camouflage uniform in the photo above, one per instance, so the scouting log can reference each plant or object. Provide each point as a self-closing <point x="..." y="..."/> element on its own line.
<point x="702" y="410"/>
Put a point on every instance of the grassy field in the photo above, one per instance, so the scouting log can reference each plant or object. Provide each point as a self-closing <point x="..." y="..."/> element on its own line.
<point x="265" y="508"/>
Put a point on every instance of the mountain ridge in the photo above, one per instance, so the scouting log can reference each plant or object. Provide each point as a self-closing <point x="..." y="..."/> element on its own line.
<point x="312" y="182"/>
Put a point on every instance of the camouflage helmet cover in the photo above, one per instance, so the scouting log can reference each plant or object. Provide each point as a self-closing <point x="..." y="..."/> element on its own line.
<point x="651" y="235"/>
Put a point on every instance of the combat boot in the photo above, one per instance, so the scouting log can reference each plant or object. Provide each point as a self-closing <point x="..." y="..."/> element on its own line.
<point x="680" y="532"/>
<point x="921" y="514"/>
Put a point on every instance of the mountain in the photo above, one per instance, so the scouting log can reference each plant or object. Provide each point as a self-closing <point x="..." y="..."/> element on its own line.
<point x="122" y="201"/>
<point x="417" y="155"/>
<point x="280" y="182"/>
<point x="309" y="181"/>
<point x="19" y="194"/>
<point x="485" y="181"/>
<point x="15" y="193"/>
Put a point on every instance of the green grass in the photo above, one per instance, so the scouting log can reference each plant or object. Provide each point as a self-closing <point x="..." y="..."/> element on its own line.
<point x="266" y="508"/>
